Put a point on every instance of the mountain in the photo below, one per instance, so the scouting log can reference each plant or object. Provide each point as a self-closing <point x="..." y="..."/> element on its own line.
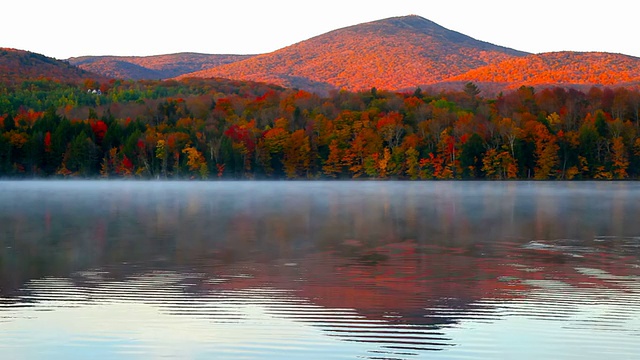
<point x="18" y="65"/>
<point x="397" y="53"/>
<point x="152" y="67"/>
<point x="558" y="68"/>
<point x="393" y="53"/>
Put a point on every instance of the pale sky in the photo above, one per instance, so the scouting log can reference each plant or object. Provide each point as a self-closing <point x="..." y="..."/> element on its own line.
<point x="66" y="28"/>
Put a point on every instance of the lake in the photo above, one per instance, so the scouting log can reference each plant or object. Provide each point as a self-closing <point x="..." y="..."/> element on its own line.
<point x="319" y="270"/>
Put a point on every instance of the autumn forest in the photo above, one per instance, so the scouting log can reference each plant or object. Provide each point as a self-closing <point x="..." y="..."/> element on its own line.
<point x="210" y="129"/>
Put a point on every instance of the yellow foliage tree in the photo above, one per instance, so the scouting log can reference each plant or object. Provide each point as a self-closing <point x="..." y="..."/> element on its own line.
<point x="196" y="162"/>
<point x="383" y="163"/>
<point x="412" y="163"/>
<point x="620" y="161"/>
<point x="499" y="165"/>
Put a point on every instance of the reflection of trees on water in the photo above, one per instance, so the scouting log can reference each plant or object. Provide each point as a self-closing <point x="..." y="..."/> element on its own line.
<point x="61" y="232"/>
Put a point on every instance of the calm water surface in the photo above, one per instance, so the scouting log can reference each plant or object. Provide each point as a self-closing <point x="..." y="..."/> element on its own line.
<point x="319" y="270"/>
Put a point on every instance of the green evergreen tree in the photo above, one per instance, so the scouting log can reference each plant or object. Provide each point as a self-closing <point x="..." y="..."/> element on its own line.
<point x="9" y="123"/>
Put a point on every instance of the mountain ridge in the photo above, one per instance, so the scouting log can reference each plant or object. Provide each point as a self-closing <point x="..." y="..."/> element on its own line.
<point x="155" y="67"/>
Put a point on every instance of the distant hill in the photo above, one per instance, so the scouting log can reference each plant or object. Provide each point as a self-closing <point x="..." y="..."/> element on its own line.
<point x="393" y="53"/>
<point x="19" y="65"/>
<point x="558" y="69"/>
<point x="152" y="67"/>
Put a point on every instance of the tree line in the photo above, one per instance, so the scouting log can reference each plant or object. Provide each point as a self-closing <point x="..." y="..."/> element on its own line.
<point x="219" y="128"/>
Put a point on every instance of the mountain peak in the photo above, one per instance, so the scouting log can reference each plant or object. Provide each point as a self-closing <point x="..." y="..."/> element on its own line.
<point x="398" y="23"/>
<point x="411" y="19"/>
<point x="393" y="53"/>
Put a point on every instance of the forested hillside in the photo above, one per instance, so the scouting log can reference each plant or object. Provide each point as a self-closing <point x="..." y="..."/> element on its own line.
<point x="231" y="130"/>
<point x="17" y="66"/>
<point x="559" y="68"/>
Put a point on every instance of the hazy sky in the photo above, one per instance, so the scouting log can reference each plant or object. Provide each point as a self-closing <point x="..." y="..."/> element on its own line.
<point x="66" y="28"/>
